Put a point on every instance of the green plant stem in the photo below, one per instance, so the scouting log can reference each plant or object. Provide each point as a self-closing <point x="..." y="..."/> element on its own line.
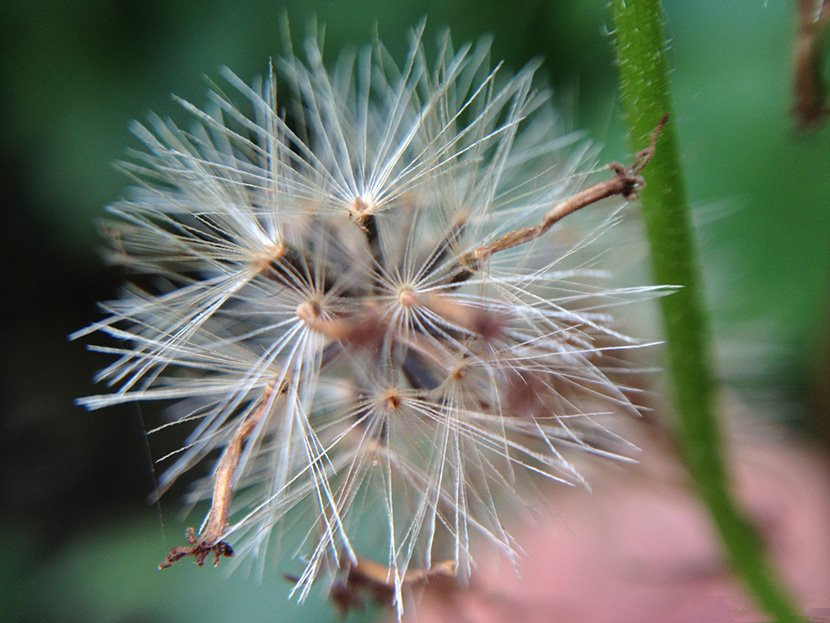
<point x="640" y="48"/>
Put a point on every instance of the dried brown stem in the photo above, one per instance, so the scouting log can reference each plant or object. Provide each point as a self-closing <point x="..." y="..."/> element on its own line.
<point x="444" y="248"/>
<point x="368" y="224"/>
<point x="362" y="330"/>
<point x="810" y="91"/>
<point x="372" y="578"/>
<point x="210" y="540"/>
<point x="626" y="182"/>
<point x="483" y="322"/>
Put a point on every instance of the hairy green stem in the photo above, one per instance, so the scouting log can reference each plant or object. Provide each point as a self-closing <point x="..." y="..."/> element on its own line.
<point x="640" y="48"/>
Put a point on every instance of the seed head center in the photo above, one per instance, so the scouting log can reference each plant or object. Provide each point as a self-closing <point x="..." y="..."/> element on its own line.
<point x="271" y="253"/>
<point x="407" y="298"/>
<point x="392" y="400"/>
<point x="308" y="311"/>
<point x="362" y="205"/>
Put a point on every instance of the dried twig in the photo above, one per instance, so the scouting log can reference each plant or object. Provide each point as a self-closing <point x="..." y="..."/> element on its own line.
<point x="626" y="182"/>
<point x="369" y="577"/>
<point x="810" y="91"/>
<point x="210" y="540"/>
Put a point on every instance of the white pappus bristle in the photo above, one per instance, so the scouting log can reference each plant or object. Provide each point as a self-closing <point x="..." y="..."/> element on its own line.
<point x="335" y="316"/>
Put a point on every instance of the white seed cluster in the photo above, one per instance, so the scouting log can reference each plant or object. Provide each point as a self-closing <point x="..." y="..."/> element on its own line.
<point x="323" y="279"/>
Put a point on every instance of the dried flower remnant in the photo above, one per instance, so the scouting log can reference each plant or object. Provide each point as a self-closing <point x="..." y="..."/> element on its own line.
<point x="367" y="578"/>
<point x="386" y="259"/>
<point x="811" y="104"/>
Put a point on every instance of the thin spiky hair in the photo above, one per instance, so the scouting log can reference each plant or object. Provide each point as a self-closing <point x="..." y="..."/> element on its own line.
<point x="353" y="310"/>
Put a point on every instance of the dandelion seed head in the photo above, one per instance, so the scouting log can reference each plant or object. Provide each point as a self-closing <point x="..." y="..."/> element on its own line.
<point x="337" y="317"/>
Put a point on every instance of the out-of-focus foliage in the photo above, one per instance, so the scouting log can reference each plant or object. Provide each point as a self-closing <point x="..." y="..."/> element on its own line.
<point x="78" y="542"/>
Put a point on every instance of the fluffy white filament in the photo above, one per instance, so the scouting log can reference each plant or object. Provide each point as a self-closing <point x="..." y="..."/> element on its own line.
<point x="307" y="255"/>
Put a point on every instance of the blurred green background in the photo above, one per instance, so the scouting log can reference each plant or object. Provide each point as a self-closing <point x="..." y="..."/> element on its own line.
<point x="78" y="541"/>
